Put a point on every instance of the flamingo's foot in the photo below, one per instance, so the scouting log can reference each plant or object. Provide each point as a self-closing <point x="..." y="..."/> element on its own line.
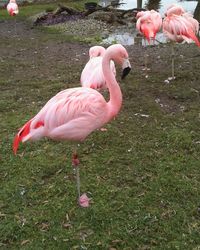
<point x="84" y="201"/>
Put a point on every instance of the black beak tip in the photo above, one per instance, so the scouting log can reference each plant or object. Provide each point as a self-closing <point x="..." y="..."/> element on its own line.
<point x="125" y="72"/>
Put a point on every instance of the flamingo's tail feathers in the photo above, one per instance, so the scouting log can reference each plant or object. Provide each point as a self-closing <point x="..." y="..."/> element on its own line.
<point x="24" y="134"/>
<point x="192" y="36"/>
<point x="24" y="131"/>
<point x="196" y="41"/>
<point x="16" y="143"/>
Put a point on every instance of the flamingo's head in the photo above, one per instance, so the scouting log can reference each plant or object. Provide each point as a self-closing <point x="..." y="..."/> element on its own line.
<point x="119" y="55"/>
<point x="174" y="9"/>
<point x="96" y="51"/>
<point x="126" y="68"/>
<point x="140" y="14"/>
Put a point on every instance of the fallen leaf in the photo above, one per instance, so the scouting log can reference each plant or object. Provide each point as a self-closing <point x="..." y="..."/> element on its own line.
<point x="103" y="129"/>
<point x="116" y="241"/>
<point x="44" y="226"/>
<point x="24" y="242"/>
<point x="67" y="225"/>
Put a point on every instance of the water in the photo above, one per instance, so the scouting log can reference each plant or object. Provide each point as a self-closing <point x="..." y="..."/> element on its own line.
<point x="128" y="36"/>
<point x="160" y="6"/>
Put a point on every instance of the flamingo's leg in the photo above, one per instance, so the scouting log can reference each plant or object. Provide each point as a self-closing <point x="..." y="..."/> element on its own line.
<point x="145" y="58"/>
<point x="173" y="55"/>
<point x="75" y="165"/>
<point x="145" y="55"/>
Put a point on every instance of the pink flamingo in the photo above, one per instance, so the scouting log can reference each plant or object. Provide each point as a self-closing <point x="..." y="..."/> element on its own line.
<point x="148" y="23"/>
<point x="74" y="113"/>
<point x="12" y="8"/>
<point x="179" y="26"/>
<point x="92" y="75"/>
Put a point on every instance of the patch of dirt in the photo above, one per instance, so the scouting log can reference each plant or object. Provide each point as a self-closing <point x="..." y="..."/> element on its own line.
<point x="39" y="57"/>
<point x="51" y="18"/>
<point x="168" y="104"/>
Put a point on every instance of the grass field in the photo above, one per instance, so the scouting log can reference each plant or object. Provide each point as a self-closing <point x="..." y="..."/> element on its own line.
<point x="142" y="174"/>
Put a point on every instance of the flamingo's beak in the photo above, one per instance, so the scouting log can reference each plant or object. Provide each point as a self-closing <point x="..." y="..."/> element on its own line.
<point x="126" y="66"/>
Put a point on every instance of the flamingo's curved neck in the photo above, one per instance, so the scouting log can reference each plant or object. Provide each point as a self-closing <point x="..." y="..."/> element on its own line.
<point x="115" y="101"/>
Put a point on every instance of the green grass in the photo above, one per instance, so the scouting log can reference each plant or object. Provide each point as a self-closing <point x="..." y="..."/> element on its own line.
<point x="142" y="173"/>
<point x="26" y="11"/>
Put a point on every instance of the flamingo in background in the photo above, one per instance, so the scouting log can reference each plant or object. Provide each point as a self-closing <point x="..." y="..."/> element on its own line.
<point x="92" y="75"/>
<point x="96" y="51"/>
<point x="12" y="8"/>
<point x="148" y="24"/>
<point x="179" y="26"/>
<point x="74" y="113"/>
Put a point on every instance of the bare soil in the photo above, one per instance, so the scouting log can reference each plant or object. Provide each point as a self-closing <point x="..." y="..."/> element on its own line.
<point x="54" y="57"/>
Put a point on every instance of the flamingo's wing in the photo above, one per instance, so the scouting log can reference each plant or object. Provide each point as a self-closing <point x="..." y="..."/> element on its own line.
<point x="70" y="115"/>
<point x="178" y="29"/>
<point x="157" y="20"/>
<point x="192" y="22"/>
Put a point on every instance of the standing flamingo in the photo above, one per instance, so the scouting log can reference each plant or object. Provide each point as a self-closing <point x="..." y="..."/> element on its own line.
<point x="148" y="24"/>
<point x="12" y="8"/>
<point x="92" y="75"/>
<point x="179" y="26"/>
<point x="74" y="113"/>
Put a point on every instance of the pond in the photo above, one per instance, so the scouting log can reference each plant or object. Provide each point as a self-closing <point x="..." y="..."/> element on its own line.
<point x="128" y="35"/>
<point x="159" y="5"/>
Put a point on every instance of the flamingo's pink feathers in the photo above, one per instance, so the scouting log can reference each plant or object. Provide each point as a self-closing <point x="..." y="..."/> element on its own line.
<point x="92" y="75"/>
<point x="179" y="25"/>
<point x="96" y="51"/>
<point x="148" y="23"/>
<point x="70" y="115"/>
<point x="23" y="133"/>
<point x="174" y="9"/>
<point x="12" y="8"/>
<point x="74" y="113"/>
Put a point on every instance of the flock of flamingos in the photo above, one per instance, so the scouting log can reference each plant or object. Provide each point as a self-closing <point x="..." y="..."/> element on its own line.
<point x="74" y="113"/>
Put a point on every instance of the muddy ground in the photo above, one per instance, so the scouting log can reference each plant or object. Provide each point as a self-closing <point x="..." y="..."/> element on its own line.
<point x="46" y="55"/>
<point x="30" y="53"/>
<point x="22" y="40"/>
